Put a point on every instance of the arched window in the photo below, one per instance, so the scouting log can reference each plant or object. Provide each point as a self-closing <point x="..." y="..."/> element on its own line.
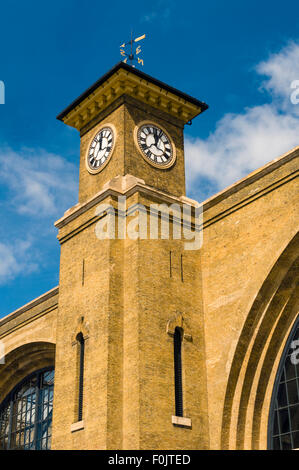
<point x="284" y="410"/>
<point x="177" y="349"/>
<point x="26" y="413"/>
<point x="81" y="347"/>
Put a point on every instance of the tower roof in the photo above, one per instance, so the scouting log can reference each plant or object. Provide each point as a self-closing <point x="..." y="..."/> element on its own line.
<point x="123" y="79"/>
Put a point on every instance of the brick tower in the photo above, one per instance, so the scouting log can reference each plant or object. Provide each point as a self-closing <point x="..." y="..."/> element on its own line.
<point x="130" y="369"/>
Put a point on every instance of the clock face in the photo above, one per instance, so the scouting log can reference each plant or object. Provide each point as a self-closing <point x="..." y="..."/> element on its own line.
<point x="100" y="148"/>
<point x="155" y="145"/>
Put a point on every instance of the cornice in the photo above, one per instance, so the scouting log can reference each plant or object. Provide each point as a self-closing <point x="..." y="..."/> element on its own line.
<point x="252" y="177"/>
<point x="128" y="185"/>
<point x="125" y="81"/>
<point x="120" y="186"/>
<point x="33" y="303"/>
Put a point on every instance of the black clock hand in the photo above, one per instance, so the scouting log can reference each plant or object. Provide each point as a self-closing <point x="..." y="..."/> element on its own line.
<point x="157" y="138"/>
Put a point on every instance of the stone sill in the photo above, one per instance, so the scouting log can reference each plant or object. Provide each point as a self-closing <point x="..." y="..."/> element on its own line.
<point x="77" y="426"/>
<point x="181" y="421"/>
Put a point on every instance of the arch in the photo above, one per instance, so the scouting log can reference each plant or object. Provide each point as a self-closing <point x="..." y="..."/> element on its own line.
<point x="81" y="328"/>
<point x="256" y="358"/>
<point x="283" y="427"/>
<point x="22" y="361"/>
<point x="179" y="321"/>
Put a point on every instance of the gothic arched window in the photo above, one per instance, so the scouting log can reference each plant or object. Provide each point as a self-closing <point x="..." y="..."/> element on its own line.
<point x="81" y="347"/>
<point x="284" y="410"/>
<point x="26" y="413"/>
<point x="178" y="383"/>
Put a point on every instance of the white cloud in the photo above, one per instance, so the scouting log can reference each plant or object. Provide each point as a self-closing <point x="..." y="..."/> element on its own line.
<point x="15" y="259"/>
<point x="160" y="12"/>
<point x="244" y="142"/>
<point x="39" y="183"/>
<point x="281" y="69"/>
<point x="41" y="186"/>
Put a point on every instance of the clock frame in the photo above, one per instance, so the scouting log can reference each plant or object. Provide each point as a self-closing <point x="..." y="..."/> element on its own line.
<point x="94" y="171"/>
<point x="161" y="166"/>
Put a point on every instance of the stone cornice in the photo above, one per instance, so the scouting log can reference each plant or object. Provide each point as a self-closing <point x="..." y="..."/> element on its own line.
<point x="128" y="185"/>
<point x="251" y="178"/>
<point x="120" y="186"/>
<point x="125" y="81"/>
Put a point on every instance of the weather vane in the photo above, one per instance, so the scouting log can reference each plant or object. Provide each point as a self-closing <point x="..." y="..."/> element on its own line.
<point x="127" y="50"/>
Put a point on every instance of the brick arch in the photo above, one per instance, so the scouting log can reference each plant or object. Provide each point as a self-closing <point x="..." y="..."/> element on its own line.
<point x="257" y="354"/>
<point x="22" y="361"/>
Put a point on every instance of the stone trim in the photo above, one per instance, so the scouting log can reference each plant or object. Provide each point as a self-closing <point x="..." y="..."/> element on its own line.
<point x="26" y="321"/>
<point x="125" y="82"/>
<point x="252" y="178"/>
<point x="129" y="185"/>
<point x="179" y="321"/>
<point x="119" y="188"/>
<point x="81" y="327"/>
<point x="78" y="426"/>
<point x="30" y="305"/>
<point x="181" y="422"/>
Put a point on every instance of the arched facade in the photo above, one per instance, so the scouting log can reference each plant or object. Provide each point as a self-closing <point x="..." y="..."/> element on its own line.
<point x="23" y="361"/>
<point x="283" y="429"/>
<point x="26" y="396"/>
<point x="258" y="353"/>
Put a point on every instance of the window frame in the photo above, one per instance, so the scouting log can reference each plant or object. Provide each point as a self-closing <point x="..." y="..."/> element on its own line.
<point x="9" y="401"/>
<point x="81" y="369"/>
<point x="178" y="371"/>
<point x="277" y="383"/>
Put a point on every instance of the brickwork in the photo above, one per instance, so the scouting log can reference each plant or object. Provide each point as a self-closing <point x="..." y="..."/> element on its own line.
<point x="235" y="299"/>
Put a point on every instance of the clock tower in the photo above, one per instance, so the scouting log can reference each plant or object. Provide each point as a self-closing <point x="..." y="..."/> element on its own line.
<point x="123" y="378"/>
<point x="132" y="107"/>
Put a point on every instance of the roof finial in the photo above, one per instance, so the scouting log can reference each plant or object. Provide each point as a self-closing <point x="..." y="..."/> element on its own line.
<point x="131" y="54"/>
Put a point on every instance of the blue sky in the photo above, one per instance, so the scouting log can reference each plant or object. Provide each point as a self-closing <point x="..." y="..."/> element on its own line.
<point x="239" y="57"/>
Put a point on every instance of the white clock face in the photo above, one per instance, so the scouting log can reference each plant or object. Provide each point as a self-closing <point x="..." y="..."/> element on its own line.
<point x="100" y="148"/>
<point x="155" y="145"/>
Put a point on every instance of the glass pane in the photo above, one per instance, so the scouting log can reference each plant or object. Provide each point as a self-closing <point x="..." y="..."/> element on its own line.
<point x="275" y="428"/>
<point x="290" y="369"/>
<point x="276" y="443"/>
<point x="48" y="378"/>
<point x="282" y="396"/>
<point x="294" y="412"/>
<point x="292" y="392"/>
<point x="282" y="378"/>
<point x="284" y="420"/>
<point x="23" y="413"/>
<point x="296" y="439"/>
<point x="286" y="441"/>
